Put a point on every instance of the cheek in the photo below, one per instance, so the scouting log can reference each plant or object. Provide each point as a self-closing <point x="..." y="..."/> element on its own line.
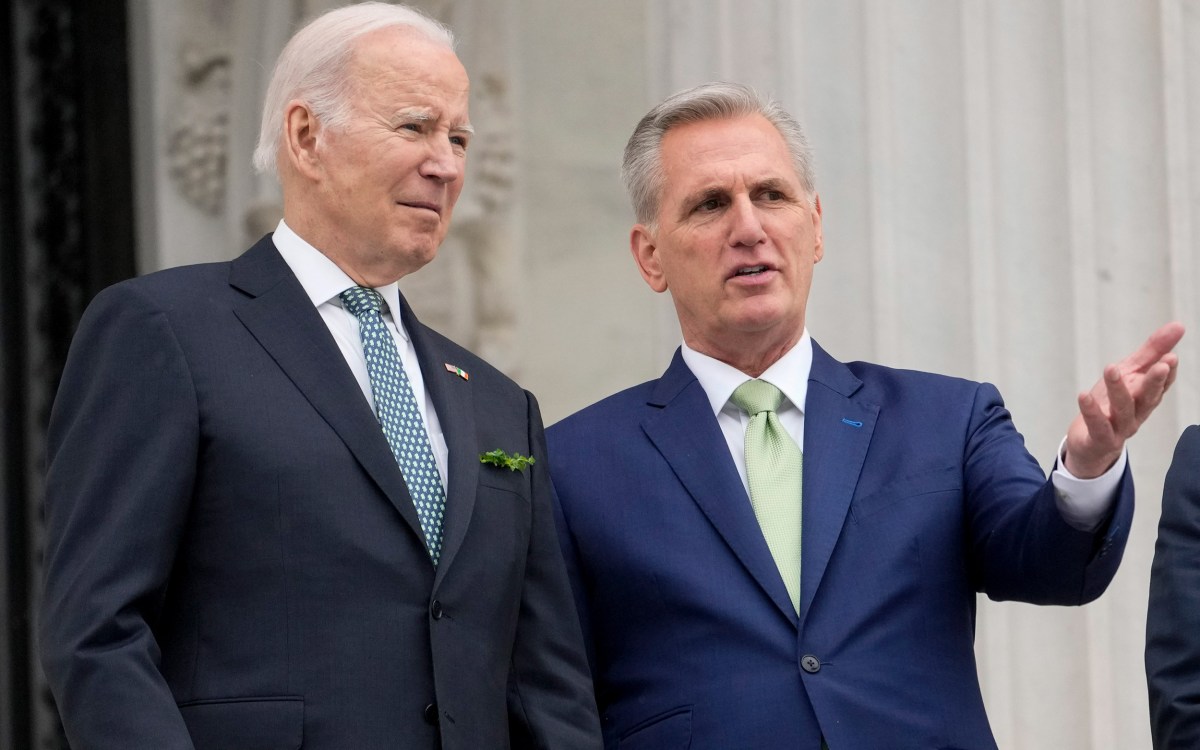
<point x="455" y="191"/>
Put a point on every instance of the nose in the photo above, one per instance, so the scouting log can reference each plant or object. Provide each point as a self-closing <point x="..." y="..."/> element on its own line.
<point x="442" y="163"/>
<point x="746" y="229"/>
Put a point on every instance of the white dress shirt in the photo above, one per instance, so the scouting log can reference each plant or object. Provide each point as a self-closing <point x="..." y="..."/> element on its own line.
<point x="1083" y="503"/>
<point x="323" y="282"/>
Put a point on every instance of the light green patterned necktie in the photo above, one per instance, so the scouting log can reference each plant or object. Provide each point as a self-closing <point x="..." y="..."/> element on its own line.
<point x="773" y="469"/>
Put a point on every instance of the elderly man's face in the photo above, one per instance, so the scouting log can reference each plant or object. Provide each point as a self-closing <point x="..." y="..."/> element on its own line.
<point x="392" y="174"/>
<point x="736" y="238"/>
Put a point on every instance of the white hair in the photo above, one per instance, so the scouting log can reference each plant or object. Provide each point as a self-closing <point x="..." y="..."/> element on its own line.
<point x="312" y="67"/>
<point x="641" y="168"/>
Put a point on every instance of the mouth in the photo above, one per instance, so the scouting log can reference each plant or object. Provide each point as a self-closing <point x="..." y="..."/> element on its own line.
<point x="751" y="270"/>
<point x="434" y="207"/>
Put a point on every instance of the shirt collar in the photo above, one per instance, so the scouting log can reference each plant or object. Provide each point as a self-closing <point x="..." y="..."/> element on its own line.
<point x="321" y="278"/>
<point x="789" y="374"/>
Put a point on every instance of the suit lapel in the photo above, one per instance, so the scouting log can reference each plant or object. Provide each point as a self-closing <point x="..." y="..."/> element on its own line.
<point x="837" y="433"/>
<point x="454" y="402"/>
<point x="686" y="433"/>
<point x="283" y="320"/>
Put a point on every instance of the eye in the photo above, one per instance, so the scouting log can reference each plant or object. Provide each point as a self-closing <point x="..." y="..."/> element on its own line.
<point x="413" y="127"/>
<point x="773" y="195"/>
<point x="709" y="205"/>
<point x="459" y="141"/>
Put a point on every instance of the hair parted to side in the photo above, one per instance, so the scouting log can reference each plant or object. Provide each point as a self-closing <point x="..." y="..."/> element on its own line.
<point x="641" y="168"/>
<point x="312" y="67"/>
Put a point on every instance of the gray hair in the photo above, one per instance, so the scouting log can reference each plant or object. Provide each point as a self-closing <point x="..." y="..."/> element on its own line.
<point x="642" y="167"/>
<point x="312" y="67"/>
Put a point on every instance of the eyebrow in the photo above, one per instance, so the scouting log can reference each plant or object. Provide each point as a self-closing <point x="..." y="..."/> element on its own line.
<point x="422" y="114"/>
<point x="773" y="183"/>
<point x="708" y="193"/>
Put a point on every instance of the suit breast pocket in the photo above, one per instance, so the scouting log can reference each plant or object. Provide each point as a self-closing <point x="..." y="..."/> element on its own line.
<point x="914" y="492"/>
<point x="269" y="723"/>
<point x="501" y="523"/>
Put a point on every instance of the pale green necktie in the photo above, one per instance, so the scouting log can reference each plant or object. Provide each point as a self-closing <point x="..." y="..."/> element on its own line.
<point x="773" y="469"/>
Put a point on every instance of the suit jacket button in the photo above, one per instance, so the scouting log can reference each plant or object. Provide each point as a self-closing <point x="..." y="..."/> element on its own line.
<point x="431" y="714"/>
<point x="435" y="609"/>
<point x="810" y="663"/>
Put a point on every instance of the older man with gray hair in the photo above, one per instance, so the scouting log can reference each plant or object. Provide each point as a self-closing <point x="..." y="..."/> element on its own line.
<point x="774" y="549"/>
<point x="280" y="511"/>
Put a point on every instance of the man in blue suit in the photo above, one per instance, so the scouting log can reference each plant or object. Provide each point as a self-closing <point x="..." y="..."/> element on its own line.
<point x="773" y="549"/>
<point x="268" y="524"/>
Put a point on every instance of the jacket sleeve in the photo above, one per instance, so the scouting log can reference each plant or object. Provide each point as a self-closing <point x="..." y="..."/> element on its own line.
<point x="1173" y="616"/>
<point x="122" y="445"/>
<point x="1022" y="548"/>
<point x="551" y="702"/>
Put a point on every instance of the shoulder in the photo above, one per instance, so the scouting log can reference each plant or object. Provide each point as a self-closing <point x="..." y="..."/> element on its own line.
<point x="1186" y="461"/>
<point x="622" y="409"/>
<point x="1189" y="444"/>
<point x="166" y="290"/>
<point x="891" y="385"/>
<point x="189" y="290"/>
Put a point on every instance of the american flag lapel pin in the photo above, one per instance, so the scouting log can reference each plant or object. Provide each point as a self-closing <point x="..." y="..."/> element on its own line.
<point x="457" y="371"/>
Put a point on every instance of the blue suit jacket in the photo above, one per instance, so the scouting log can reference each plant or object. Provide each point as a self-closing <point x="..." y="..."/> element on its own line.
<point x="1173" y="615"/>
<point x="918" y="493"/>
<point x="233" y="559"/>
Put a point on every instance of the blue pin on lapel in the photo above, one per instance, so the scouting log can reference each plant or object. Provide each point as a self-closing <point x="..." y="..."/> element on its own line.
<point x="851" y="422"/>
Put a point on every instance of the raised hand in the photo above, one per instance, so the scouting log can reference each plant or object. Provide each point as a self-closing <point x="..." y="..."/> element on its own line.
<point x="1117" y="405"/>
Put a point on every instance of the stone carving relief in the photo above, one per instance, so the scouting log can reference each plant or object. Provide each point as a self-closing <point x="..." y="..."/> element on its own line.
<point x="198" y="146"/>
<point x="469" y="292"/>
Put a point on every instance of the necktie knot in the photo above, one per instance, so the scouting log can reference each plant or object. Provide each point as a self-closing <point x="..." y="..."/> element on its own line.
<point x="360" y="299"/>
<point x="757" y="396"/>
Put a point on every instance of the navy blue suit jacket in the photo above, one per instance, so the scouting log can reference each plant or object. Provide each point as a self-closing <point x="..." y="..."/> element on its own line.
<point x="1173" y="615"/>
<point x="233" y="559"/>
<point x="917" y="492"/>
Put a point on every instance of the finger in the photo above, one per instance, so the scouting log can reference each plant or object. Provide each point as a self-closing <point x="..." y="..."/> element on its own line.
<point x="1148" y="394"/>
<point x="1099" y="429"/>
<point x="1172" y="361"/>
<point x="1122" y="409"/>
<point x="1154" y="348"/>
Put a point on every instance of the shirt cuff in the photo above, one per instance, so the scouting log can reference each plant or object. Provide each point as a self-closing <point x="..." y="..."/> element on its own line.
<point x="1085" y="503"/>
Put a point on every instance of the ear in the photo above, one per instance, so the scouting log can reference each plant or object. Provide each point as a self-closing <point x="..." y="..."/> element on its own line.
<point x="645" y="254"/>
<point x="301" y="130"/>
<point x="818" y="236"/>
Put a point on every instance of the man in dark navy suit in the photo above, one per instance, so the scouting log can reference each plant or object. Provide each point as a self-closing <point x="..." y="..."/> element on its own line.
<point x="1173" y="617"/>
<point x="268" y="521"/>
<point x="773" y="549"/>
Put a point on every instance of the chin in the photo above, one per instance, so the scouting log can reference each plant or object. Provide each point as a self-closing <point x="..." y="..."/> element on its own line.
<point x="416" y="251"/>
<point x="762" y="316"/>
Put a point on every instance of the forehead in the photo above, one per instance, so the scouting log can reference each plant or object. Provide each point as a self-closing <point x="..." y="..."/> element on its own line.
<point x="400" y="60"/>
<point x="746" y="148"/>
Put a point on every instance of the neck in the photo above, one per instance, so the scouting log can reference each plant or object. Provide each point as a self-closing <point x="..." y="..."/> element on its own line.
<point x="752" y="361"/>
<point x="362" y="268"/>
